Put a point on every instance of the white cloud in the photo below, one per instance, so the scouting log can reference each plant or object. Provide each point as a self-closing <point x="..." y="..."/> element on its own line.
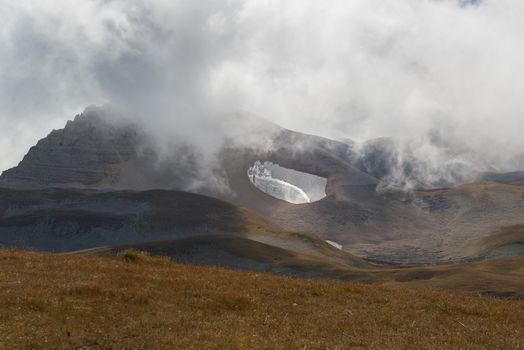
<point x="359" y="68"/>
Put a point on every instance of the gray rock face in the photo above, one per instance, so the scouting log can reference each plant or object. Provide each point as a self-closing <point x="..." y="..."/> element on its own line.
<point x="84" y="153"/>
<point x="98" y="150"/>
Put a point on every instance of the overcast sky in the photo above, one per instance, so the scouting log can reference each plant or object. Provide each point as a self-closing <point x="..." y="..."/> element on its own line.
<point x="341" y="68"/>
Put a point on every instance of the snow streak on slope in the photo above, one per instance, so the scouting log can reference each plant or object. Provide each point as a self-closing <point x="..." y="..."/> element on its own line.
<point x="286" y="184"/>
<point x="334" y="244"/>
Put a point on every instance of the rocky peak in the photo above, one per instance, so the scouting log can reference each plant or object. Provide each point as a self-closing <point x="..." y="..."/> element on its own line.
<point x="84" y="152"/>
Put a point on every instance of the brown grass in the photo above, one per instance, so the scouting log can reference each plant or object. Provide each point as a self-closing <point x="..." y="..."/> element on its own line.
<point x="68" y="301"/>
<point x="506" y="235"/>
<point x="501" y="277"/>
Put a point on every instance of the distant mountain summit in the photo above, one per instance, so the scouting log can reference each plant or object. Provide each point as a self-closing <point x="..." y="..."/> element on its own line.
<point x="85" y="152"/>
<point x="100" y="150"/>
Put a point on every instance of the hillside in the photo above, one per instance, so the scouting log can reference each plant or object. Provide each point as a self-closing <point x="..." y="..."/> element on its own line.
<point x="58" y="301"/>
<point x="65" y="220"/>
<point x="196" y="229"/>
<point x="362" y="211"/>
<point x="502" y="278"/>
<point x="62" y="220"/>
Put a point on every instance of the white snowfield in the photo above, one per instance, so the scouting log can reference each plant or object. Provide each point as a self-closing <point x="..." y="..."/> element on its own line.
<point x="334" y="244"/>
<point x="287" y="184"/>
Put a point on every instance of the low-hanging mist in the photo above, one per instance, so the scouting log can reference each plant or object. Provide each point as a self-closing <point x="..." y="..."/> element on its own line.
<point x="441" y="78"/>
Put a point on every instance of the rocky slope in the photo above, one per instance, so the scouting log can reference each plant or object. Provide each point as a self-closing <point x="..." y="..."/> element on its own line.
<point x="63" y="220"/>
<point x="361" y="211"/>
<point x="85" y="152"/>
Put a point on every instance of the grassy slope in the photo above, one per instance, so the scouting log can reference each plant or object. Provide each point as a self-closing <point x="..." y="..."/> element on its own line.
<point x="503" y="277"/>
<point x="69" y="301"/>
<point x="505" y="236"/>
<point x="249" y="255"/>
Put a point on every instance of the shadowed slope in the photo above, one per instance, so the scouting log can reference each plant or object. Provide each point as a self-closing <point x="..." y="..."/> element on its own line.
<point x="244" y="254"/>
<point x="502" y="278"/>
<point x="66" y="220"/>
<point x="507" y="240"/>
<point x="59" y="219"/>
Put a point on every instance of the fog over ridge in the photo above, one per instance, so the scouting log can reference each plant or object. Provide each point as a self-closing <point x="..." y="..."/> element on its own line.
<point x="441" y="77"/>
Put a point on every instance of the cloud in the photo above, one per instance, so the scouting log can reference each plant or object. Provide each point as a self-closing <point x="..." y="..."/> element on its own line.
<point x="408" y="69"/>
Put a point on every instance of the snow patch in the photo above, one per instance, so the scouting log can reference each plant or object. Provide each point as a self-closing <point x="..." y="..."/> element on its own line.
<point x="287" y="184"/>
<point x="334" y="244"/>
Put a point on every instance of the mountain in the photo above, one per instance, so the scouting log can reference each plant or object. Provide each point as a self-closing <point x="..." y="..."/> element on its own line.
<point x="64" y="220"/>
<point x="85" y="152"/>
<point x="354" y="203"/>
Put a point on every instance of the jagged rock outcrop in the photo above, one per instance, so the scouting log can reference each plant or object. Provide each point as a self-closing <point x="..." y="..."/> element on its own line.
<point x="99" y="149"/>
<point x="85" y="152"/>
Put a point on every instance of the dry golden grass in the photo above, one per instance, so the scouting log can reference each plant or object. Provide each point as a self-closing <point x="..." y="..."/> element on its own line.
<point x="500" y="277"/>
<point x="136" y="301"/>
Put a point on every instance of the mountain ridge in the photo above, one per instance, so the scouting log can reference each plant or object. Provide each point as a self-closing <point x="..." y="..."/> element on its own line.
<point x="361" y="211"/>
